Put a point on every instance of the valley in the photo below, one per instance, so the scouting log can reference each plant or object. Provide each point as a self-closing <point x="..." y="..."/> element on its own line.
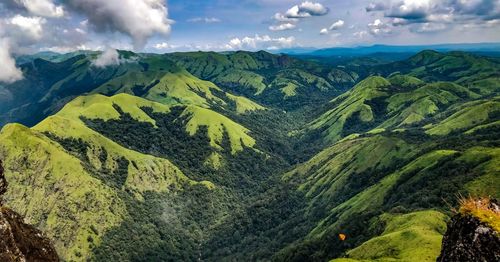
<point x="246" y="156"/>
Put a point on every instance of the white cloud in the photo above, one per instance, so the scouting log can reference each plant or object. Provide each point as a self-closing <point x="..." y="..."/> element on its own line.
<point x="323" y="31"/>
<point x="207" y="20"/>
<point x="107" y="58"/>
<point x="8" y="71"/>
<point x="30" y="26"/>
<point x="378" y="28"/>
<point x="360" y="34"/>
<point x="429" y="28"/>
<point x="306" y="9"/>
<point x="303" y="10"/>
<point x="165" y="45"/>
<point x="45" y="8"/>
<point x="282" y="18"/>
<point x="337" y="25"/>
<point x="140" y="19"/>
<point x="282" y="27"/>
<point x="260" y="42"/>
<point x="410" y="12"/>
<point x="375" y="6"/>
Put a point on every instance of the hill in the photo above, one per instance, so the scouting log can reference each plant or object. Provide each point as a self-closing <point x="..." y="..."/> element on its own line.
<point x="48" y="86"/>
<point x="244" y="156"/>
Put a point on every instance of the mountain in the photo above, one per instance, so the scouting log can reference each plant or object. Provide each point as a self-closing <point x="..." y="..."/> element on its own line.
<point x="275" y="80"/>
<point x="370" y="50"/>
<point x="245" y="156"/>
<point x="19" y="241"/>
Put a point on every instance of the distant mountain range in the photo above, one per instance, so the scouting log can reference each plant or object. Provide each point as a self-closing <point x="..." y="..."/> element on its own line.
<point x="367" y="50"/>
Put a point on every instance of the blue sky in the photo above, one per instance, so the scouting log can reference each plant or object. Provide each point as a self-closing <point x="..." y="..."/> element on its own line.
<point x="219" y="25"/>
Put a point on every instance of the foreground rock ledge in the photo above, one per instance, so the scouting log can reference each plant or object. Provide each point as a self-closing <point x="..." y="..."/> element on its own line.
<point x="469" y="239"/>
<point x="19" y="241"/>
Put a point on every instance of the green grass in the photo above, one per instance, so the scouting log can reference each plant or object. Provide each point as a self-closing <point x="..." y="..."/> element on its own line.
<point x="409" y="237"/>
<point x="55" y="192"/>
<point x="183" y="88"/>
<point x="244" y="105"/>
<point x="468" y="117"/>
<point x="348" y="104"/>
<point x="218" y="125"/>
<point x="242" y="79"/>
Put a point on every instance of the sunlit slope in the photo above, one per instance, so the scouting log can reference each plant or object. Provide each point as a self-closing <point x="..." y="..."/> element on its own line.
<point x="403" y="102"/>
<point x="67" y="178"/>
<point x="267" y="78"/>
<point x="355" y="105"/>
<point x="48" y="85"/>
<point x="410" y="237"/>
<point x="477" y="72"/>
<point x="106" y="108"/>
<point x="349" y="183"/>
<point x="398" y="145"/>
<point x="55" y="192"/>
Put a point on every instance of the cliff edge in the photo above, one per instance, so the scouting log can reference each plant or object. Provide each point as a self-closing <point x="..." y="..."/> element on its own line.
<point x="19" y="241"/>
<point x="473" y="233"/>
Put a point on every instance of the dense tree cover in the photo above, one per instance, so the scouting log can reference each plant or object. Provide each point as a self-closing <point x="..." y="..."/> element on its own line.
<point x="254" y="212"/>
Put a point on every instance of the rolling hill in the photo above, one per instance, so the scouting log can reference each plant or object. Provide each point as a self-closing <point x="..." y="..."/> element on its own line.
<point x="245" y="156"/>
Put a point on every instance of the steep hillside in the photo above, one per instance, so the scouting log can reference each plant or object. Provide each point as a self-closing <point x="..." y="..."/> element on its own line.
<point x="473" y="71"/>
<point x="47" y="86"/>
<point x="244" y="156"/>
<point x="276" y="80"/>
<point x="402" y="101"/>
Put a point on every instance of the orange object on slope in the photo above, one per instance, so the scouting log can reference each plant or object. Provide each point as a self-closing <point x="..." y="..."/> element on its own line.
<point x="342" y="237"/>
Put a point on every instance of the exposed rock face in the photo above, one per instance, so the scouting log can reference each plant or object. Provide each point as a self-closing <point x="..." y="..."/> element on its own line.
<point x="3" y="183"/>
<point x="18" y="241"/>
<point x="468" y="239"/>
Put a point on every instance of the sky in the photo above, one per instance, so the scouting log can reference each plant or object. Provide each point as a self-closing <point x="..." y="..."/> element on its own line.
<point x="29" y="26"/>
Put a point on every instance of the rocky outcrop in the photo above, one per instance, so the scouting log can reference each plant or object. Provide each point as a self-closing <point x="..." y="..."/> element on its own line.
<point x="19" y="241"/>
<point x="469" y="239"/>
<point x="3" y="183"/>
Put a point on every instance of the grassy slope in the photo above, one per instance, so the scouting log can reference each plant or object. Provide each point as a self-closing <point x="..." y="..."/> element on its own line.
<point x="445" y="108"/>
<point x="262" y="74"/>
<point x="60" y="193"/>
<point x="409" y="237"/>
<point x="56" y="193"/>
<point x="353" y="101"/>
<point x="217" y="125"/>
<point x="401" y="101"/>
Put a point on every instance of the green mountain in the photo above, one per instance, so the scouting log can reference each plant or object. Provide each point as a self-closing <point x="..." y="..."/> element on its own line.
<point x="277" y="80"/>
<point x="246" y="156"/>
<point x="48" y="86"/>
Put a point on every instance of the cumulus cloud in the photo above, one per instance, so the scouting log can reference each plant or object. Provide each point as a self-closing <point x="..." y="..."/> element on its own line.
<point x="140" y="19"/>
<point x="8" y="71"/>
<point x="428" y="28"/>
<point x="378" y="28"/>
<point x="304" y="10"/>
<point x="323" y="31"/>
<point x="207" y="20"/>
<point x="360" y="34"/>
<point x="406" y="12"/>
<point x="45" y="8"/>
<point x="260" y="42"/>
<point x="376" y="6"/>
<point x="282" y="27"/>
<point x="30" y="27"/>
<point x="109" y="57"/>
<point x="337" y="25"/>
<point x="283" y="18"/>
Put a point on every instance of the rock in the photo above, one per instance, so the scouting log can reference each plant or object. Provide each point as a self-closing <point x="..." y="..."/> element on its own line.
<point x="3" y="182"/>
<point x="18" y="241"/>
<point x="469" y="239"/>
